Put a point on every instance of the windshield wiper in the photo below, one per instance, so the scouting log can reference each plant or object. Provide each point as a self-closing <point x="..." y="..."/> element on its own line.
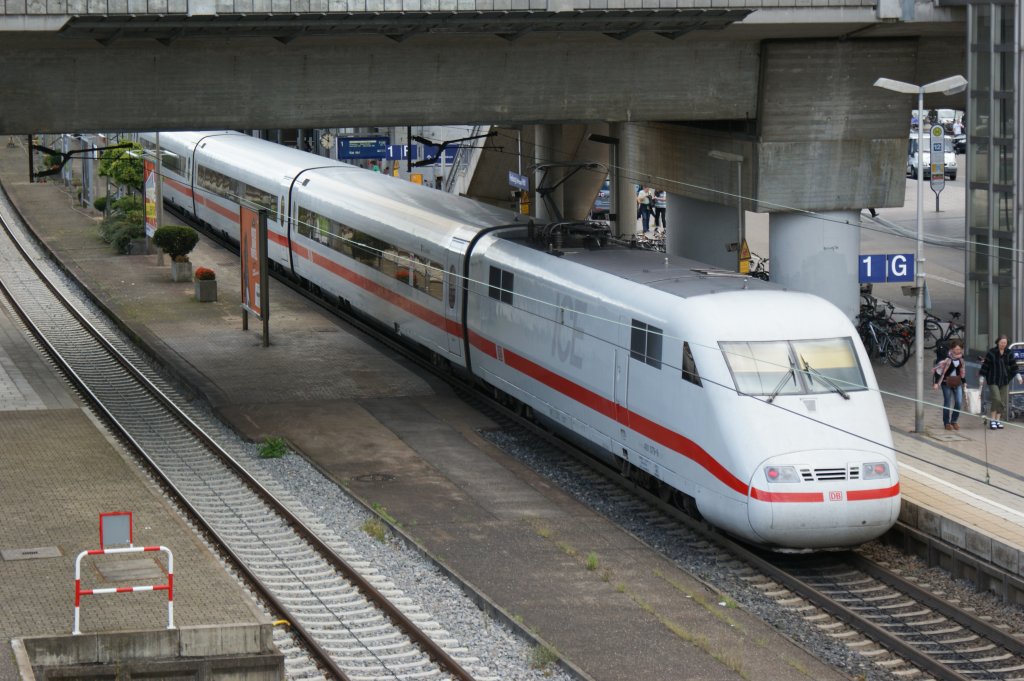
<point x="812" y="372"/>
<point x="785" y="377"/>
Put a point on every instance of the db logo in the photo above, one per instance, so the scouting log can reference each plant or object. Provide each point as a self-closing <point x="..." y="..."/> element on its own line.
<point x="835" y="496"/>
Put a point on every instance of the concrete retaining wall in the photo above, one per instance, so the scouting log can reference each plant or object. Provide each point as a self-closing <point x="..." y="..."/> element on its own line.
<point x="240" y="652"/>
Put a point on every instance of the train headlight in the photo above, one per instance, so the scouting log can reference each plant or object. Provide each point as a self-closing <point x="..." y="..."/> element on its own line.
<point x="875" y="471"/>
<point x="781" y="474"/>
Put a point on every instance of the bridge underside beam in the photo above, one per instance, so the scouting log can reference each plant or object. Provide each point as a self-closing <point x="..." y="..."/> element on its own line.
<point x="66" y="85"/>
<point x="824" y="137"/>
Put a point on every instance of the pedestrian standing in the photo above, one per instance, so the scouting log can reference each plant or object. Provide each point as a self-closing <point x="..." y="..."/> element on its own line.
<point x="660" y="203"/>
<point x="951" y="374"/>
<point x="645" y="201"/>
<point x="998" y="369"/>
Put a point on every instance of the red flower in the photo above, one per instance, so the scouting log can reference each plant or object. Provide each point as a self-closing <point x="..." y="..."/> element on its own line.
<point x="205" y="274"/>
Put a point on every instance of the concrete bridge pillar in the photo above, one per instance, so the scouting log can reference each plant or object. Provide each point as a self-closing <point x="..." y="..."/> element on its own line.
<point x="701" y="230"/>
<point x="547" y="141"/>
<point x="625" y="179"/>
<point x="817" y="254"/>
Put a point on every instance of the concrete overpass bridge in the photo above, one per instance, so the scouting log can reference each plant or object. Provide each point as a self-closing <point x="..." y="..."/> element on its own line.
<point x="786" y="85"/>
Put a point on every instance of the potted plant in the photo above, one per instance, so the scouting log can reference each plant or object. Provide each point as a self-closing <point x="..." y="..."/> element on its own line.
<point x="177" y="241"/>
<point x="206" y="285"/>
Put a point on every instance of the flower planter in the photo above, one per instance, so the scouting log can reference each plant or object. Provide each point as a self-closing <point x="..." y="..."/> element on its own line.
<point x="181" y="271"/>
<point x="206" y="290"/>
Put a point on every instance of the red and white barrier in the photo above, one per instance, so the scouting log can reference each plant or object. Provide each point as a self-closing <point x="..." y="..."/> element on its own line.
<point x="168" y="587"/>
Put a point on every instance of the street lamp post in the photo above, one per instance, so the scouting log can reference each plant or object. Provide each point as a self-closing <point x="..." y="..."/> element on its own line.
<point x="741" y="228"/>
<point x="947" y="86"/>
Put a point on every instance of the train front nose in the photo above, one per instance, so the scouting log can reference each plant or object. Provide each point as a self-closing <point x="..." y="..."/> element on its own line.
<point x="851" y="498"/>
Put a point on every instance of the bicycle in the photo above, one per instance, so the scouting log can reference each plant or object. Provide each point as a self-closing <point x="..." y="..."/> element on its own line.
<point x="934" y="334"/>
<point x="758" y="266"/>
<point x="653" y="242"/>
<point x="884" y="338"/>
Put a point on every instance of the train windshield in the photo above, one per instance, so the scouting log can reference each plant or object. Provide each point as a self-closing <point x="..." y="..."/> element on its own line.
<point x="794" y="367"/>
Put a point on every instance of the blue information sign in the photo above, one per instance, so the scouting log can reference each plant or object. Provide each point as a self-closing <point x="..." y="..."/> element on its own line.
<point x="886" y="268"/>
<point x="362" y="147"/>
<point x="397" y="152"/>
<point x="430" y="151"/>
<point x="518" y="181"/>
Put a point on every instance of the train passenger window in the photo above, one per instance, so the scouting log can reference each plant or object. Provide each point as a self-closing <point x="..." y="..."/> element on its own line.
<point x="255" y="196"/>
<point x="689" y="366"/>
<point x="171" y="162"/>
<point x="645" y="344"/>
<point x="501" y="282"/>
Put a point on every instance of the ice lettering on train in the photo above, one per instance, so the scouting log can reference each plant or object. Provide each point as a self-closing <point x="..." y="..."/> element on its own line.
<point x="563" y="344"/>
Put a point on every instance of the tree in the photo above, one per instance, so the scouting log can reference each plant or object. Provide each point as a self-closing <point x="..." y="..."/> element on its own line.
<point x="123" y="165"/>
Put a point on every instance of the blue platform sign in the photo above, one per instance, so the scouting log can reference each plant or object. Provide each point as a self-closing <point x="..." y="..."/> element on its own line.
<point x="517" y="181"/>
<point x="398" y="152"/>
<point x="362" y="147"/>
<point x="431" y="151"/>
<point x="886" y="268"/>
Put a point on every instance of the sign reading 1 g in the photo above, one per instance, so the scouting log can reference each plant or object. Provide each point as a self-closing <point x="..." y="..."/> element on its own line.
<point x="886" y="268"/>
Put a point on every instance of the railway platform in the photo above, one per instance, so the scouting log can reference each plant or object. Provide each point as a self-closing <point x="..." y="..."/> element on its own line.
<point x="58" y="471"/>
<point x="387" y="435"/>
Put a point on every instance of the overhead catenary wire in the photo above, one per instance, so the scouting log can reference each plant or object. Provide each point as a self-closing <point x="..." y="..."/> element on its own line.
<point x="485" y="285"/>
<point x="963" y="245"/>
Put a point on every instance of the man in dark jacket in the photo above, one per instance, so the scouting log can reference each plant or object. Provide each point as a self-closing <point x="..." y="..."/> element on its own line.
<point x="998" y="369"/>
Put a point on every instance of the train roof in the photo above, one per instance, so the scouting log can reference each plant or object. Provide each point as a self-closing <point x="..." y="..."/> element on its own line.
<point x="670" y="273"/>
<point x="427" y="207"/>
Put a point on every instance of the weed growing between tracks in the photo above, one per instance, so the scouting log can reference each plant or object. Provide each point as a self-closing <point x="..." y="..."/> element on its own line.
<point x="273" y="448"/>
<point x="543" y="657"/>
<point x="376" y="529"/>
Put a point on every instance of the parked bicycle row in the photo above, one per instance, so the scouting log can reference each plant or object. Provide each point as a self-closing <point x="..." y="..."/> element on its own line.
<point x="889" y="334"/>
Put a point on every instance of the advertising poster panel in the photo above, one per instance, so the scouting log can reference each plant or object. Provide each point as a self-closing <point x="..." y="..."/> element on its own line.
<point x="149" y="182"/>
<point x="248" y="249"/>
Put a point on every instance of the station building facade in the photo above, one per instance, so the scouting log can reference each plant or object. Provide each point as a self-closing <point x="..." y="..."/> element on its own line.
<point x="995" y="219"/>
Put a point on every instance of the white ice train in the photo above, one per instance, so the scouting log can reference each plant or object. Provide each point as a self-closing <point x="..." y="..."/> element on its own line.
<point x="756" y="406"/>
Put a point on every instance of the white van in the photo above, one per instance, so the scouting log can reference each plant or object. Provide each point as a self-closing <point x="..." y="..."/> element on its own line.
<point x="949" y="157"/>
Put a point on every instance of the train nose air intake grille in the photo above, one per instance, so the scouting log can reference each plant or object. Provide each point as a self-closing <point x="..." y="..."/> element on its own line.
<point x="821" y="474"/>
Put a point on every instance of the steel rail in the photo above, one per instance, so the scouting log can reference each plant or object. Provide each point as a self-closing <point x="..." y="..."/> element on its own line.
<point x="398" y="618"/>
<point x="821" y="600"/>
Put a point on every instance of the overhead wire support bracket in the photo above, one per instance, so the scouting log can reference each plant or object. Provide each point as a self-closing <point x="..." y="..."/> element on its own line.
<point x="546" y="190"/>
<point x="65" y="156"/>
<point x="441" y="146"/>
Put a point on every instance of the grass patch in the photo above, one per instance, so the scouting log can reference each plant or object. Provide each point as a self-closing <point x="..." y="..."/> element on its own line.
<point x="376" y="529"/>
<point x="273" y="448"/>
<point x="543" y="657"/>
<point x="567" y="549"/>
<point x="592" y="562"/>
<point x="544" y="532"/>
<point x="714" y="605"/>
<point x="382" y="511"/>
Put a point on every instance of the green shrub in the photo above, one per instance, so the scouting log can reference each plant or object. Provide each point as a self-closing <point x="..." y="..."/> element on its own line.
<point x="122" y="240"/>
<point x="177" y="241"/>
<point x="100" y="203"/>
<point x="118" y="230"/>
<point x="129" y="205"/>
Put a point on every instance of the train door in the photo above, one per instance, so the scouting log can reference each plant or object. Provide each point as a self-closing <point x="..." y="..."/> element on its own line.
<point x="453" y="291"/>
<point x="621" y="379"/>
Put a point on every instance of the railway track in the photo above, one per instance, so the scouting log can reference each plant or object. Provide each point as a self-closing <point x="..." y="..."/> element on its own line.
<point x="351" y="621"/>
<point x="899" y="626"/>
